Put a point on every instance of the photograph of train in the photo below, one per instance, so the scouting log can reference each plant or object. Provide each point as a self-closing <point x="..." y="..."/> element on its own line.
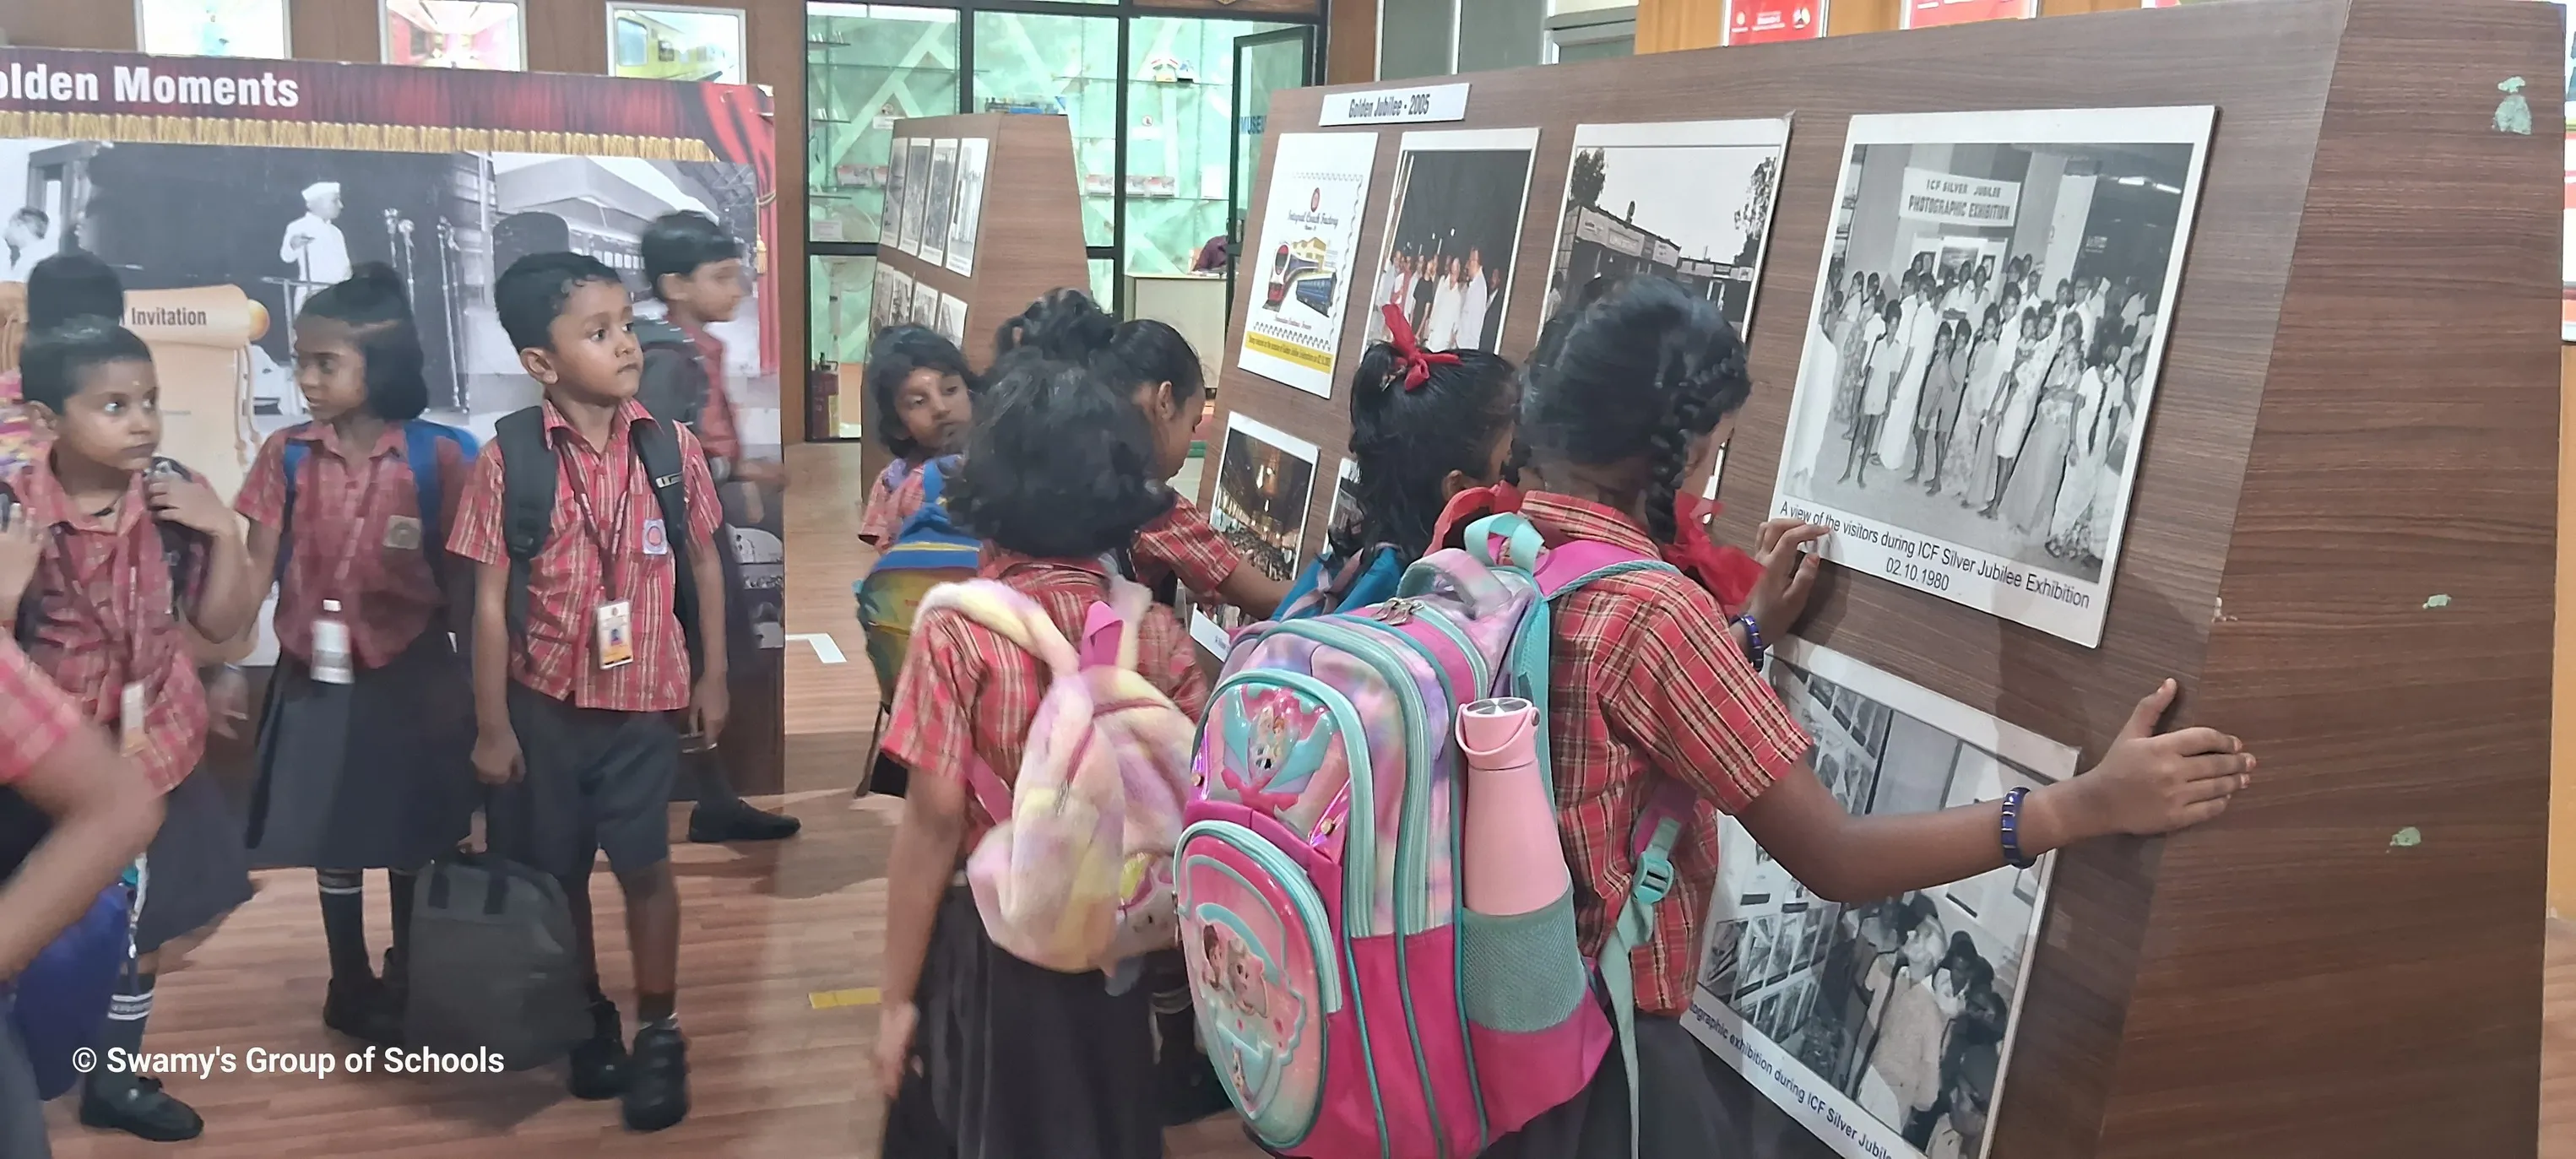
<point x="664" y="42"/>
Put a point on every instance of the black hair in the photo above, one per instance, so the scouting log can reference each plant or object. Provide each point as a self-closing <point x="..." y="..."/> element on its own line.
<point x="531" y="294"/>
<point x="1064" y="325"/>
<point x="1143" y="352"/>
<point x="73" y="284"/>
<point x="34" y="216"/>
<point x="376" y="307"/>
<point x="892" y="358"/>
<point x="1637" y="366"/>
<point x="679" y="243"/>
<point x="54" y="361"/>
<point x="1059" y="466"/>
<point x="1911" y="913"/>
<point x="1406" y="442"/>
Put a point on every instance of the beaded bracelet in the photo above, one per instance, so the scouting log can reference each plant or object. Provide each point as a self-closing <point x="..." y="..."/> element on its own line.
<point x="1753" y="645"/>
<point x="2013" y="856"/>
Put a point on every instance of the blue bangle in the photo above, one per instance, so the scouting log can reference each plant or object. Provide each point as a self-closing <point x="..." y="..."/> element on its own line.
<point x="1753" y="646"/>
<point x="2011" y="828"/>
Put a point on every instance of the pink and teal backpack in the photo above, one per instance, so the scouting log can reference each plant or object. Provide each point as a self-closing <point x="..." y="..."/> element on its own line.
<point x="1374" y="902"/>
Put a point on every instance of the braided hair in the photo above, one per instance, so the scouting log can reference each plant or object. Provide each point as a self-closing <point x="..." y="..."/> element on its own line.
<point x="1408" y="442"/>
<point x="1634" y="366"/>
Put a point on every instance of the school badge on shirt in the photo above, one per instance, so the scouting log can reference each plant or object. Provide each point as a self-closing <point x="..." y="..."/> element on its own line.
<point x="657" y="540"/>
<point x="402" y="533"/>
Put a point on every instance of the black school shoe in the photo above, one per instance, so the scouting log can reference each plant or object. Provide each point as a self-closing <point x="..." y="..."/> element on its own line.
<point x="599" y="1067"/>
<point x="364" y="1009"/>
<point x="139" y="1107"/>
<point x="723" y="822"/>
<point x="657" y="1090"/>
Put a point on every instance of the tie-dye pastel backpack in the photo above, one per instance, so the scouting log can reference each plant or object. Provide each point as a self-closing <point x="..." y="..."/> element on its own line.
<point x="1076" y="875"/>
<point x="1379" y="922"/>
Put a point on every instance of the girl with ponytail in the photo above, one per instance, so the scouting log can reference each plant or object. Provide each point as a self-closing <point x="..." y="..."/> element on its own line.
<point x="1426" y="428"/>
<point x="1634" y="386"/>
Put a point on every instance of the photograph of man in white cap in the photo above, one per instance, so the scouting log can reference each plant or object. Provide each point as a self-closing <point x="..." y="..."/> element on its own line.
<point x="315" y="245"/>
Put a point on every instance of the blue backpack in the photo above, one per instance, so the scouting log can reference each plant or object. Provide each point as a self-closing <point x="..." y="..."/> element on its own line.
<point x="420" y="449"/>
<point x="1329" y="584"/>
<point x="928" y="551"/>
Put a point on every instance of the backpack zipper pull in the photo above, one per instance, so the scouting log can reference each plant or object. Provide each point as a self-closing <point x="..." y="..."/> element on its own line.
<point x="1398" y="610"/>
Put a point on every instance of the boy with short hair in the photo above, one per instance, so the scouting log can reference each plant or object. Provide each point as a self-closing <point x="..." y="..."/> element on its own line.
<point x="137" y="553"/>
<point x="695" y="268"/>
<point x="580" y="654"/>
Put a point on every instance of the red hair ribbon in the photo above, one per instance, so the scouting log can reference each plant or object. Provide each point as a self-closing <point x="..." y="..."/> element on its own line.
<point x="1727" y="571"/>
<point x="1470" y="505"/>
<point x="1408" y="352"/>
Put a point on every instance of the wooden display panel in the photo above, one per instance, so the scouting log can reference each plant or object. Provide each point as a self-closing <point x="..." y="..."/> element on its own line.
<point x="2341" y="542"/>
<point x="1030" y="240"/>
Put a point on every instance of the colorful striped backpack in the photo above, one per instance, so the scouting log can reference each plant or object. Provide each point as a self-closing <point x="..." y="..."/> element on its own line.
<point x="927" y="551"/>
<point x="1375" y="904"/>
<point x="1076" y="875"/>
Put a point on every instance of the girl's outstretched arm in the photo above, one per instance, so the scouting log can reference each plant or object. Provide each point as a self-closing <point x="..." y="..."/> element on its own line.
<point x="2149" y="783"/>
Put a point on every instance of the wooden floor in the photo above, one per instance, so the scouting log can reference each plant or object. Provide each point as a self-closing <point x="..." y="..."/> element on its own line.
<point x="777" y="966"/>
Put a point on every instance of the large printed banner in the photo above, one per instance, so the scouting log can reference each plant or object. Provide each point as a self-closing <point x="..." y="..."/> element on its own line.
<point x="226" y="191"/>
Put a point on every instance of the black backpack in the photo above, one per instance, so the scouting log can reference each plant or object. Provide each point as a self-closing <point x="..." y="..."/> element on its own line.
<point x="674" y="387"/>
<point x="529" y="471"/>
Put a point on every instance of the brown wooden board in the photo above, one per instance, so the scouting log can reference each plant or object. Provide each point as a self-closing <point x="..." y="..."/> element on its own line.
<point x="2342" y="542"/>
<point x="1030" y="240"/>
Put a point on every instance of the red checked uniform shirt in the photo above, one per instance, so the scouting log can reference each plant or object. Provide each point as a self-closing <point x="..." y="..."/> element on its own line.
<point x="1181" y="543"/>
<point x="891" y="503"/>
<point x="346" y="545"/>
<point x="1645" y="682"/>
<point x="967" y="691"/>
<point x="106" y="619"/>
<point x="557" y="655"/>
<point x="715" y="425"/>
<point x="35" y="717"/>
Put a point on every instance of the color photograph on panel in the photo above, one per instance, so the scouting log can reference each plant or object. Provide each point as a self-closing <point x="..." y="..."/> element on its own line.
<point x="1983" y="350"/>
<point x="1689" y="201"/>
<point x="252" y="28"/>
<point x="485" y="34"/>
<point x="1305" y="256"/>
<point x="1883" y="1028"/>
<point x="1453" y="229"/>
<point x="666" y="42"/>
<point x="1264" y="486"/>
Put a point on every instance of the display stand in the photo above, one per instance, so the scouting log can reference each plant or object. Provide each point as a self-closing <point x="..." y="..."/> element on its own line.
<point x="2343" y="542"/>
<point x="1029" y="240"/>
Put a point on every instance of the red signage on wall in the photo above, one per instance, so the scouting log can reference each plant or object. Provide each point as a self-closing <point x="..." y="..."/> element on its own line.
<point x="1764" y="21"/>
<point x="1934" y="13"/>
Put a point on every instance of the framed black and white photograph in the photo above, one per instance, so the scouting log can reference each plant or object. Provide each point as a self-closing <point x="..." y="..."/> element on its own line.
<point x="940" y="199"/>
<point x="1885" y="1028"/>
<point x="916" y="196"/>
<point x="952" y="320"/>
<point x="1453" y="229"/>
<point x="925" y="305"/>
<point x="1983" y="348"/>
<point x="966" y="208"/>
<point x="898" y="188"/>
<point x="1686" y="200"/>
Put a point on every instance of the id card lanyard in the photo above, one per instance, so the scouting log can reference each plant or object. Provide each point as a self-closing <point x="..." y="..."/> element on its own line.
<point x="333" y="661"/>
<point x="612" y="622"/>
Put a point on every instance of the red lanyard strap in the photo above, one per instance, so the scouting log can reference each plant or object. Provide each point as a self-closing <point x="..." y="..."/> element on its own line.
<point x="606" y="540"/>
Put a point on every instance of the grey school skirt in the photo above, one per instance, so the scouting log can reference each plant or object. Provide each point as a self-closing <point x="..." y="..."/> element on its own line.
<point x="377" y="774"/>
<point x="195" y="868"/>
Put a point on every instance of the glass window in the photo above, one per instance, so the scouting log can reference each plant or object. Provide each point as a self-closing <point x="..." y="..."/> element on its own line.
<point x="1180" y="110"/>
<point x="1059" y="64"/>
<point x="1415" y="38"/>
<point x="839" y="292"/>
<point x="866" y="66"/>
<point x="1504" y="34"/>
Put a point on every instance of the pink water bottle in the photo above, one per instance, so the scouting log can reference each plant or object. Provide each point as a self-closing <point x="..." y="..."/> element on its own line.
<point x="1515" y="864"/>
